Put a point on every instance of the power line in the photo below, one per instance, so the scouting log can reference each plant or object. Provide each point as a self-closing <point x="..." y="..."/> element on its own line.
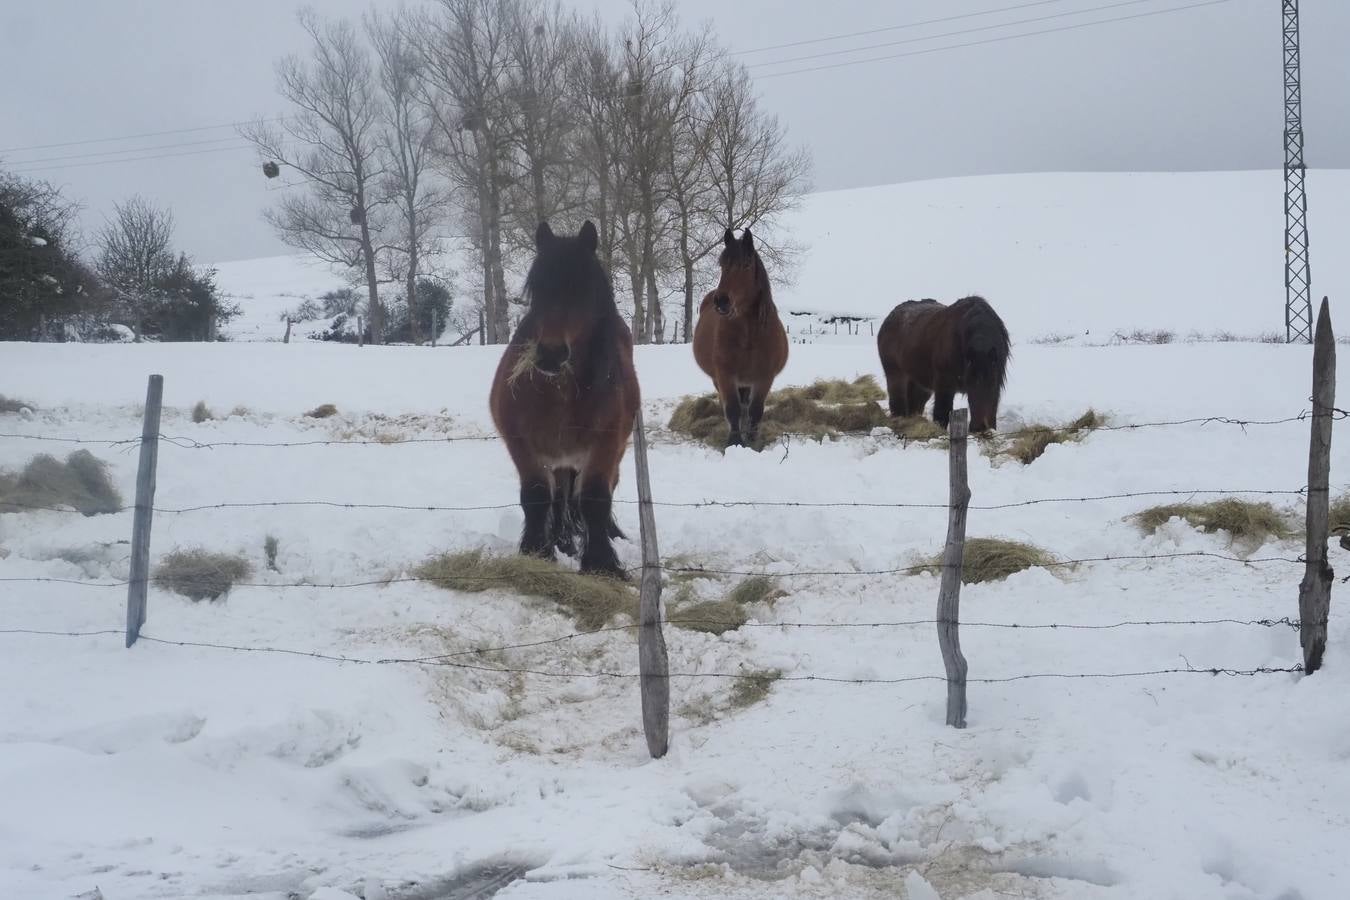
<point x="132" y="137"/>
<point x="104" y="162"/>
<point x="958" y="33"/>
<point x="98" y="153"/>
<point x="883" y="29"/>
<point x="992" y="40"/>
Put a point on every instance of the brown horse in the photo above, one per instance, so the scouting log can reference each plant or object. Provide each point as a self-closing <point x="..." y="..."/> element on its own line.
<point x="739" y="341"/>
<point x="930" y="349"/>
<point x="564" y="400"/>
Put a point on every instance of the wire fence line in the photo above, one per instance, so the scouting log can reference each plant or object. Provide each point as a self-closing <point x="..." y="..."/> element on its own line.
<point x="188" y="443"/>
<point x="450" y="662"/>
<point x="679" y="504"/>
<point x="694" y="571"/>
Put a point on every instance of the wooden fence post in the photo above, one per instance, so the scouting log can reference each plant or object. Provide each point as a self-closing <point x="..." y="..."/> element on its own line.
<point x="1314" y="594"/>
<point x="287" y="338"/>
<point x="653" y="664"/>
<point x="949" y="596"/>
<point x="145" y="503"/>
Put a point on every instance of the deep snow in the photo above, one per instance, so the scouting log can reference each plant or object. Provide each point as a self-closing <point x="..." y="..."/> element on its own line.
<point x="170" y="771"/>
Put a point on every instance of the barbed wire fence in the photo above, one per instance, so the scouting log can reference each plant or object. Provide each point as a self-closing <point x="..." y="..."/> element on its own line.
<point x="653" y="670"/>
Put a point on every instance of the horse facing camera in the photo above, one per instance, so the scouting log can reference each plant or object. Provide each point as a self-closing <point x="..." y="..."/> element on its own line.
<point x="550" y="359"/>
<point x="722" y="303"/>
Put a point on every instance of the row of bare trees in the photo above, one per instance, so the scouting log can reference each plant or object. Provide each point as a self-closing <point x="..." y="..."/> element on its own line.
<point x="469" y="121"/>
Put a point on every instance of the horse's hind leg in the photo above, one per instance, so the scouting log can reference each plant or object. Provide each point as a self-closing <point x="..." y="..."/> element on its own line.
<point x="536" y="501"/>
<point x="897" y="391"/>
<point x="564" y="512"/>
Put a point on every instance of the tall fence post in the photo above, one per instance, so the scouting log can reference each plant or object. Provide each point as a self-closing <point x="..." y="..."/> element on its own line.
<point x="1314" y="594"/>
<point x="145" y="503"/>
<point x="653" y="664"/>
<point x="949" y="596"/>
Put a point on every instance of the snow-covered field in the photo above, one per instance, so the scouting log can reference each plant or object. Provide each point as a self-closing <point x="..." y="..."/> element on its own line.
<point x="172" y="770"/>
<point x="1077" y="257"/>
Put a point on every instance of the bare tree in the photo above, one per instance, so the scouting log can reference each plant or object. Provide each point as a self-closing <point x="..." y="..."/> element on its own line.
<point x="465" y="54"/>
<point x="408" y="141"/>
<point x="136" y="247"/>
<point x="333" y="142"/>
<point x="755" y="175"/>
<point x="594" y="85"/>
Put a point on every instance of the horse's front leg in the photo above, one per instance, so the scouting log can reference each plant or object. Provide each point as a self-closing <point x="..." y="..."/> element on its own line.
<point x="755" y="414"/>
<point x="597" y="502"/>
<point x="536" y="501"/>
<point x="731" y="408"/>
<point x="942" y="405"/>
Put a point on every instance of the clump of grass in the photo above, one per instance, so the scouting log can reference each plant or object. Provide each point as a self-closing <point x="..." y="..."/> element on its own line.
<point x="202" y="413"/>
<point x="12" y="405"/>
<point x="1144" y="336"/>
<point x="591" y="600"/>
<point x="727" y="614"/>
<point x="1340" y="514"/>
<point x="826" y="408"/>
<point x="270" y="547"/>
<point x="917" y="428"/>
<point x="994" y="559"/>
<point x="1243" y="519"/>
<point x="1032" y="441"/>
<point x="863" y="389"/>
<point x="81" y="483"/>
<point x="322" y="412"/>
<point x="752" y="688"/>
<point x="755" y="589"/>
<point x="201" y="575"/>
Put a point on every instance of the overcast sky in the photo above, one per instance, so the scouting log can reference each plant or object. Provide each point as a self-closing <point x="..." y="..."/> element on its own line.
<point x="1196" y="89"/>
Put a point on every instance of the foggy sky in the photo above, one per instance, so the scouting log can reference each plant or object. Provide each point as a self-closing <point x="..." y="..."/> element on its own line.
<point x="1195" y="90"/>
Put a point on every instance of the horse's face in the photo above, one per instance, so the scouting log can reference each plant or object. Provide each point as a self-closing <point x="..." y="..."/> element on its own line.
<point x="562" y="294"/>
<point x="738" y="289"/>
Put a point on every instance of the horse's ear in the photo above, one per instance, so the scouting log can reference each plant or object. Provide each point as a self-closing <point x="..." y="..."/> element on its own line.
<point x="747" y="242"/>
<point x="590" y="238"/>
<point x="542" y="235"/>
<point x="729" y="238"/>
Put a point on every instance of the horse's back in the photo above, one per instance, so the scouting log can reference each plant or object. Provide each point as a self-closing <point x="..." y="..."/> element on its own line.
<point x="901" y="328"/>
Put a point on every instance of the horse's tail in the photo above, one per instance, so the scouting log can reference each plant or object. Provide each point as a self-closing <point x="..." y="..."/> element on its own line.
<point x="986" y="345"/>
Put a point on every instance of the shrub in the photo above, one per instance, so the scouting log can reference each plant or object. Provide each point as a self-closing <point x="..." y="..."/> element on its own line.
<point x="81" y="482"/>
<point x="202" y="413"/>
<point x="12" y="405"/>
<point x="201" y="575"/>
<point x="590" y="599"/>
<point x="1240" y="518"/>
<point x="322" y="412"/>
<point x="270" y="547"/>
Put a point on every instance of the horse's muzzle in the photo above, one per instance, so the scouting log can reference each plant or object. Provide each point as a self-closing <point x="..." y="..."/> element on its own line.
<point x="722" y="303"/>
<point x="550" y="358"/>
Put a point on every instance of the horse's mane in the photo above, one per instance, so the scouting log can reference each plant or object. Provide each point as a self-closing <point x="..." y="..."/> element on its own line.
<point x="567" y="272"/>
<point x="984" y="337"/>
<point x="734" y="254"/>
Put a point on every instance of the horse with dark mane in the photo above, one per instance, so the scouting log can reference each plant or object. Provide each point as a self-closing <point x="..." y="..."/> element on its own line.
<point x="931" y="349"/>
<point x="564" y="400"/>
<point x="739" y="341"/>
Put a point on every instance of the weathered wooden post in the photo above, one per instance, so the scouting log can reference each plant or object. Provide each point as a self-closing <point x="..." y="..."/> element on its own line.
<point x="653" y="665"/>
<point x="145" y="504"/>
<point x="1314" y="594"/>
<point x="949" y="595"/>
<point x="287" y="338"/>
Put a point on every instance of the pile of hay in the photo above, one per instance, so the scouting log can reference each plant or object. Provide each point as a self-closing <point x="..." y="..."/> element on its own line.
<point x="591" y="600"/>
<point x="1243" y="519"/>
<point x="81" y="482"/>
<point x="1033" y="440"/>
<point x="201" y="575"/>
<point x="994" y="559"/>
<point x="726" y="614"/>
<point x="826" y="408"/>
<point x="752" y="687"/>
<point x="323" y="411"/>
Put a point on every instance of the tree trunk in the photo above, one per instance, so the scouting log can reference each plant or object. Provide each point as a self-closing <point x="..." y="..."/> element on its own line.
<point x="656" y="320"/>
<point x="500" y="313"/>
<point x="372" y="284"/>
<point x="639" y="311"/>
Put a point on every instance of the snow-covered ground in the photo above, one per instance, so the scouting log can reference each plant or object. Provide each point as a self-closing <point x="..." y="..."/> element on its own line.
<point x="178" y="771"/>
<point x="1075" y="257"/>
<point x="171" y="771"/>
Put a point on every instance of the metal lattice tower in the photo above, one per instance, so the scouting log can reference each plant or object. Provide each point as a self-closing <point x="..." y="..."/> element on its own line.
<point x="1297" y="280"/>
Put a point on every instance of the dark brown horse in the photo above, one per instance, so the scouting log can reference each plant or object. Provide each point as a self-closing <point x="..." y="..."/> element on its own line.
<point x="930" y="349"/>
<point x="564" y="400"/>
<point x="739" y="341"/>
